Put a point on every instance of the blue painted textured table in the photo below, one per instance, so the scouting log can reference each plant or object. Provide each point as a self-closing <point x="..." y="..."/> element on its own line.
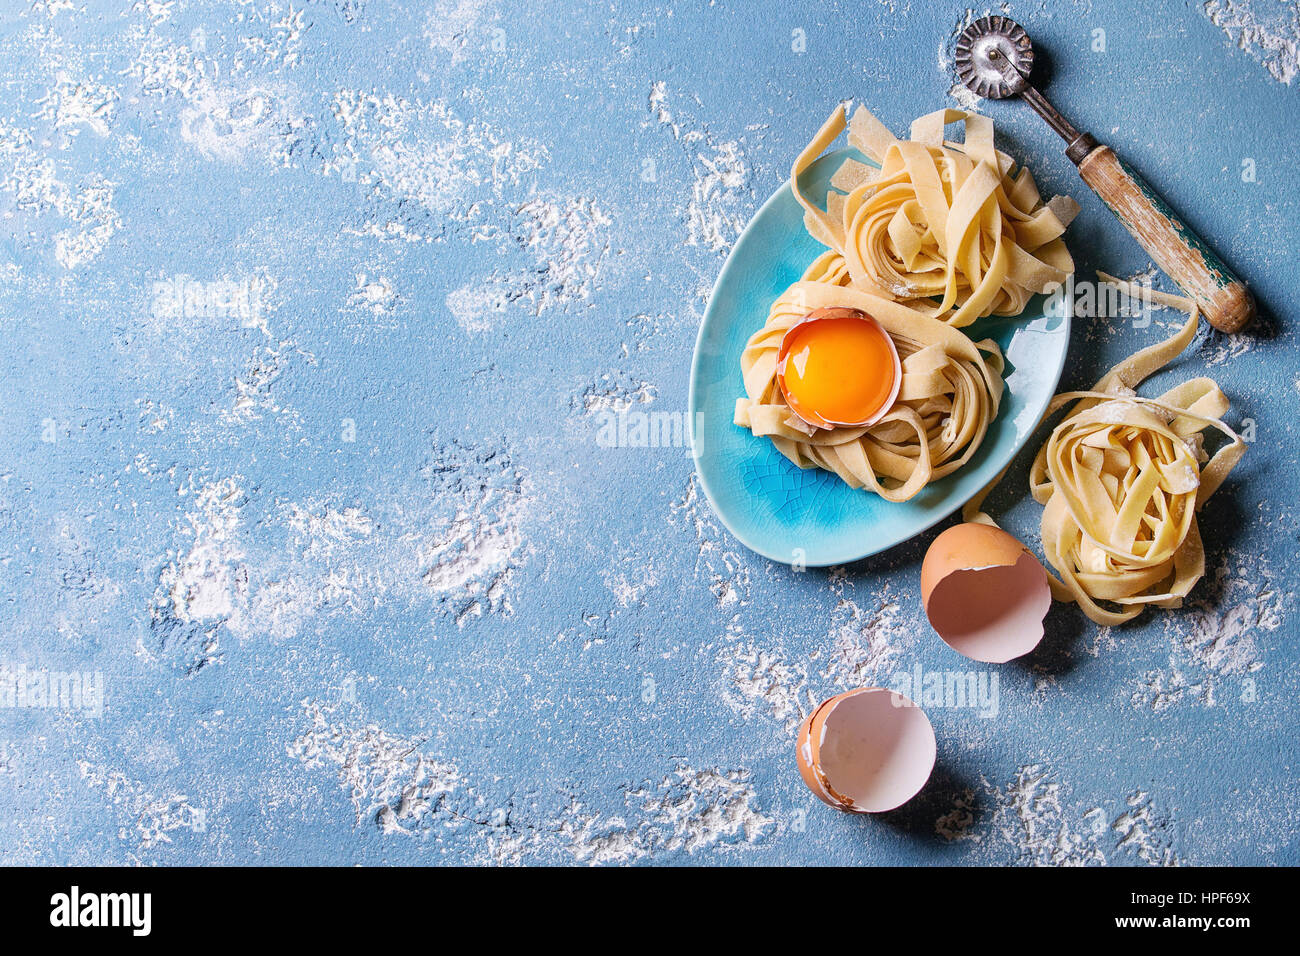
<point x="315" y="546"/>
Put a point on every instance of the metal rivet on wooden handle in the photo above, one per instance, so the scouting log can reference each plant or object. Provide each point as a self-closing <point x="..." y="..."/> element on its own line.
<point x="1222" y="297"/>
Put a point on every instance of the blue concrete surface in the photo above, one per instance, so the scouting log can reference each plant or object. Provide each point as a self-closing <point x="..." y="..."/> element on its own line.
<point x="334" y="529"/>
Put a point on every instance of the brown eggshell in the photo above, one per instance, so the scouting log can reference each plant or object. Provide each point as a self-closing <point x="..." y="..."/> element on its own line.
<point x="808" y="744"/>
<point x="805" y="755"/>
<point x="984" y="593"/>
<point x="865" y="751"/>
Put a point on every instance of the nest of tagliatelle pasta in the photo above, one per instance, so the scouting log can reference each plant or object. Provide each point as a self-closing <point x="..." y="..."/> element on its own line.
<point x="941" y="234"/>
<point x="1122" y="477"/>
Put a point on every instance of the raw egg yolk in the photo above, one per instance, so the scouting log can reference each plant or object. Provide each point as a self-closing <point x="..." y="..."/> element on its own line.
<point x="838" y="370"/>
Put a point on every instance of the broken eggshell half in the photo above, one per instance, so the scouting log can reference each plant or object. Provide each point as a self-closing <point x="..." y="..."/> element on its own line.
<point x="984" y="593"/>
<point x="866" y="751"/>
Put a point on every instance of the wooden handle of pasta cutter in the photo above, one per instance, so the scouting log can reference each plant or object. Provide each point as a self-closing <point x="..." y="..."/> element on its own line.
<point x="1223" y="298"/>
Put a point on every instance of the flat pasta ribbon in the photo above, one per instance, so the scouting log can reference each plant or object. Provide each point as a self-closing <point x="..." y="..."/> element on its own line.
<point x="939" y="220"/>
<point x="1122" y="477"/>
<point x="950" y="392"/>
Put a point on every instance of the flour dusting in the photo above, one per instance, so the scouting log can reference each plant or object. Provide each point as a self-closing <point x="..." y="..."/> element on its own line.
<point x="569" y="240"/>
<point x="203" y="581"/>
<point x="477" y="305"/>
<point x="757" y="681"/>
<point x="688" y="810"/>
<point x="1030" y="816"/>
<point x="373" y="293"/>
<point x="864" y="644"/>
<point x="1216" y="634"/>
<point x="451" y="27"/>
<point x="456" y="550"/>
<point x="223" y="115"/>
<point x="472" y="560"/>
<point x="1033" y="819"/>
<point x="721" y="566"/>
<point x="616" y="393"/>
<point x="391" y="780"/>
<point x="721" y="200"/>
<point x="424" y="153"/>
<point x="154" y="818"/>
<point x="75" y="104"/>
<point x="400" y="785"/>
<point x="82" y="205"/>
<point x="566" y="242"/>
<point x="1268" y="31"/>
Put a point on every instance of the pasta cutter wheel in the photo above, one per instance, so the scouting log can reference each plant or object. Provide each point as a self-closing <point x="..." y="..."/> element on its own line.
<point x="982" y="50"/>
<point x="994" y="58"/>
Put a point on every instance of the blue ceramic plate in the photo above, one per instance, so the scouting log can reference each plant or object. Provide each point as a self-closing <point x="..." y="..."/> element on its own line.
<point x="811" y="517"/>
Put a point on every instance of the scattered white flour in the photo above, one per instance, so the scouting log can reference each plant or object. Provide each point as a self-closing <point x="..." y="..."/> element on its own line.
<point x="1215" y="635"/>
<point x="154" y="818"/>
<point x="154" y="417"/>
<point x="390" y="779"/>
<point x="568" y="240"/>
<point x="458" y="549"/>
<point x="205" y="578"/>
<point x="52" y="8"/>
<point x="451" y="27"/>
<point x="475" y="557"/>
<point x="71" y="105"/>
<point x="229" y="121"/>
<point x="864" y="645"/>
<point x="1141" y="833"/>
<point x="321" y="530"/>
<point x="278" y="45"/>
<point x="401" y="786"/>
<point x="158" y="11"/>
<point x="719" y="206"/>
<point x="760" y="681"/>
<point x="1160" y="690"/>
<point x="1033" y="819"/>
<point x="1102" y="639"/>
<point x="374" y="293"/>
<point x="958" y="824"/>
<point x="436" y="172"/>
<point x="472" y="558"/>
<point x="616" y="393"/>
<point x="688" y="810"/>
<point x="1219" y="348"/>
<point x="424" y="153"/>
<point x="475" y="306"/>
<point x="230" y="124"/>
<point x="162" y="68"/>
<point x="629" y="587"/>
<point x="658" y="103"/>
<point x="721" y="193"/>
<point x="723" y="567"/>
<point x="1030" y="817"/>
<point x="255" y="387"/>
<point x="1269" y="30"/>
<point x="37" y="187"/>
<point x="1235" y="601"/>
<point x="965" y="98"/>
